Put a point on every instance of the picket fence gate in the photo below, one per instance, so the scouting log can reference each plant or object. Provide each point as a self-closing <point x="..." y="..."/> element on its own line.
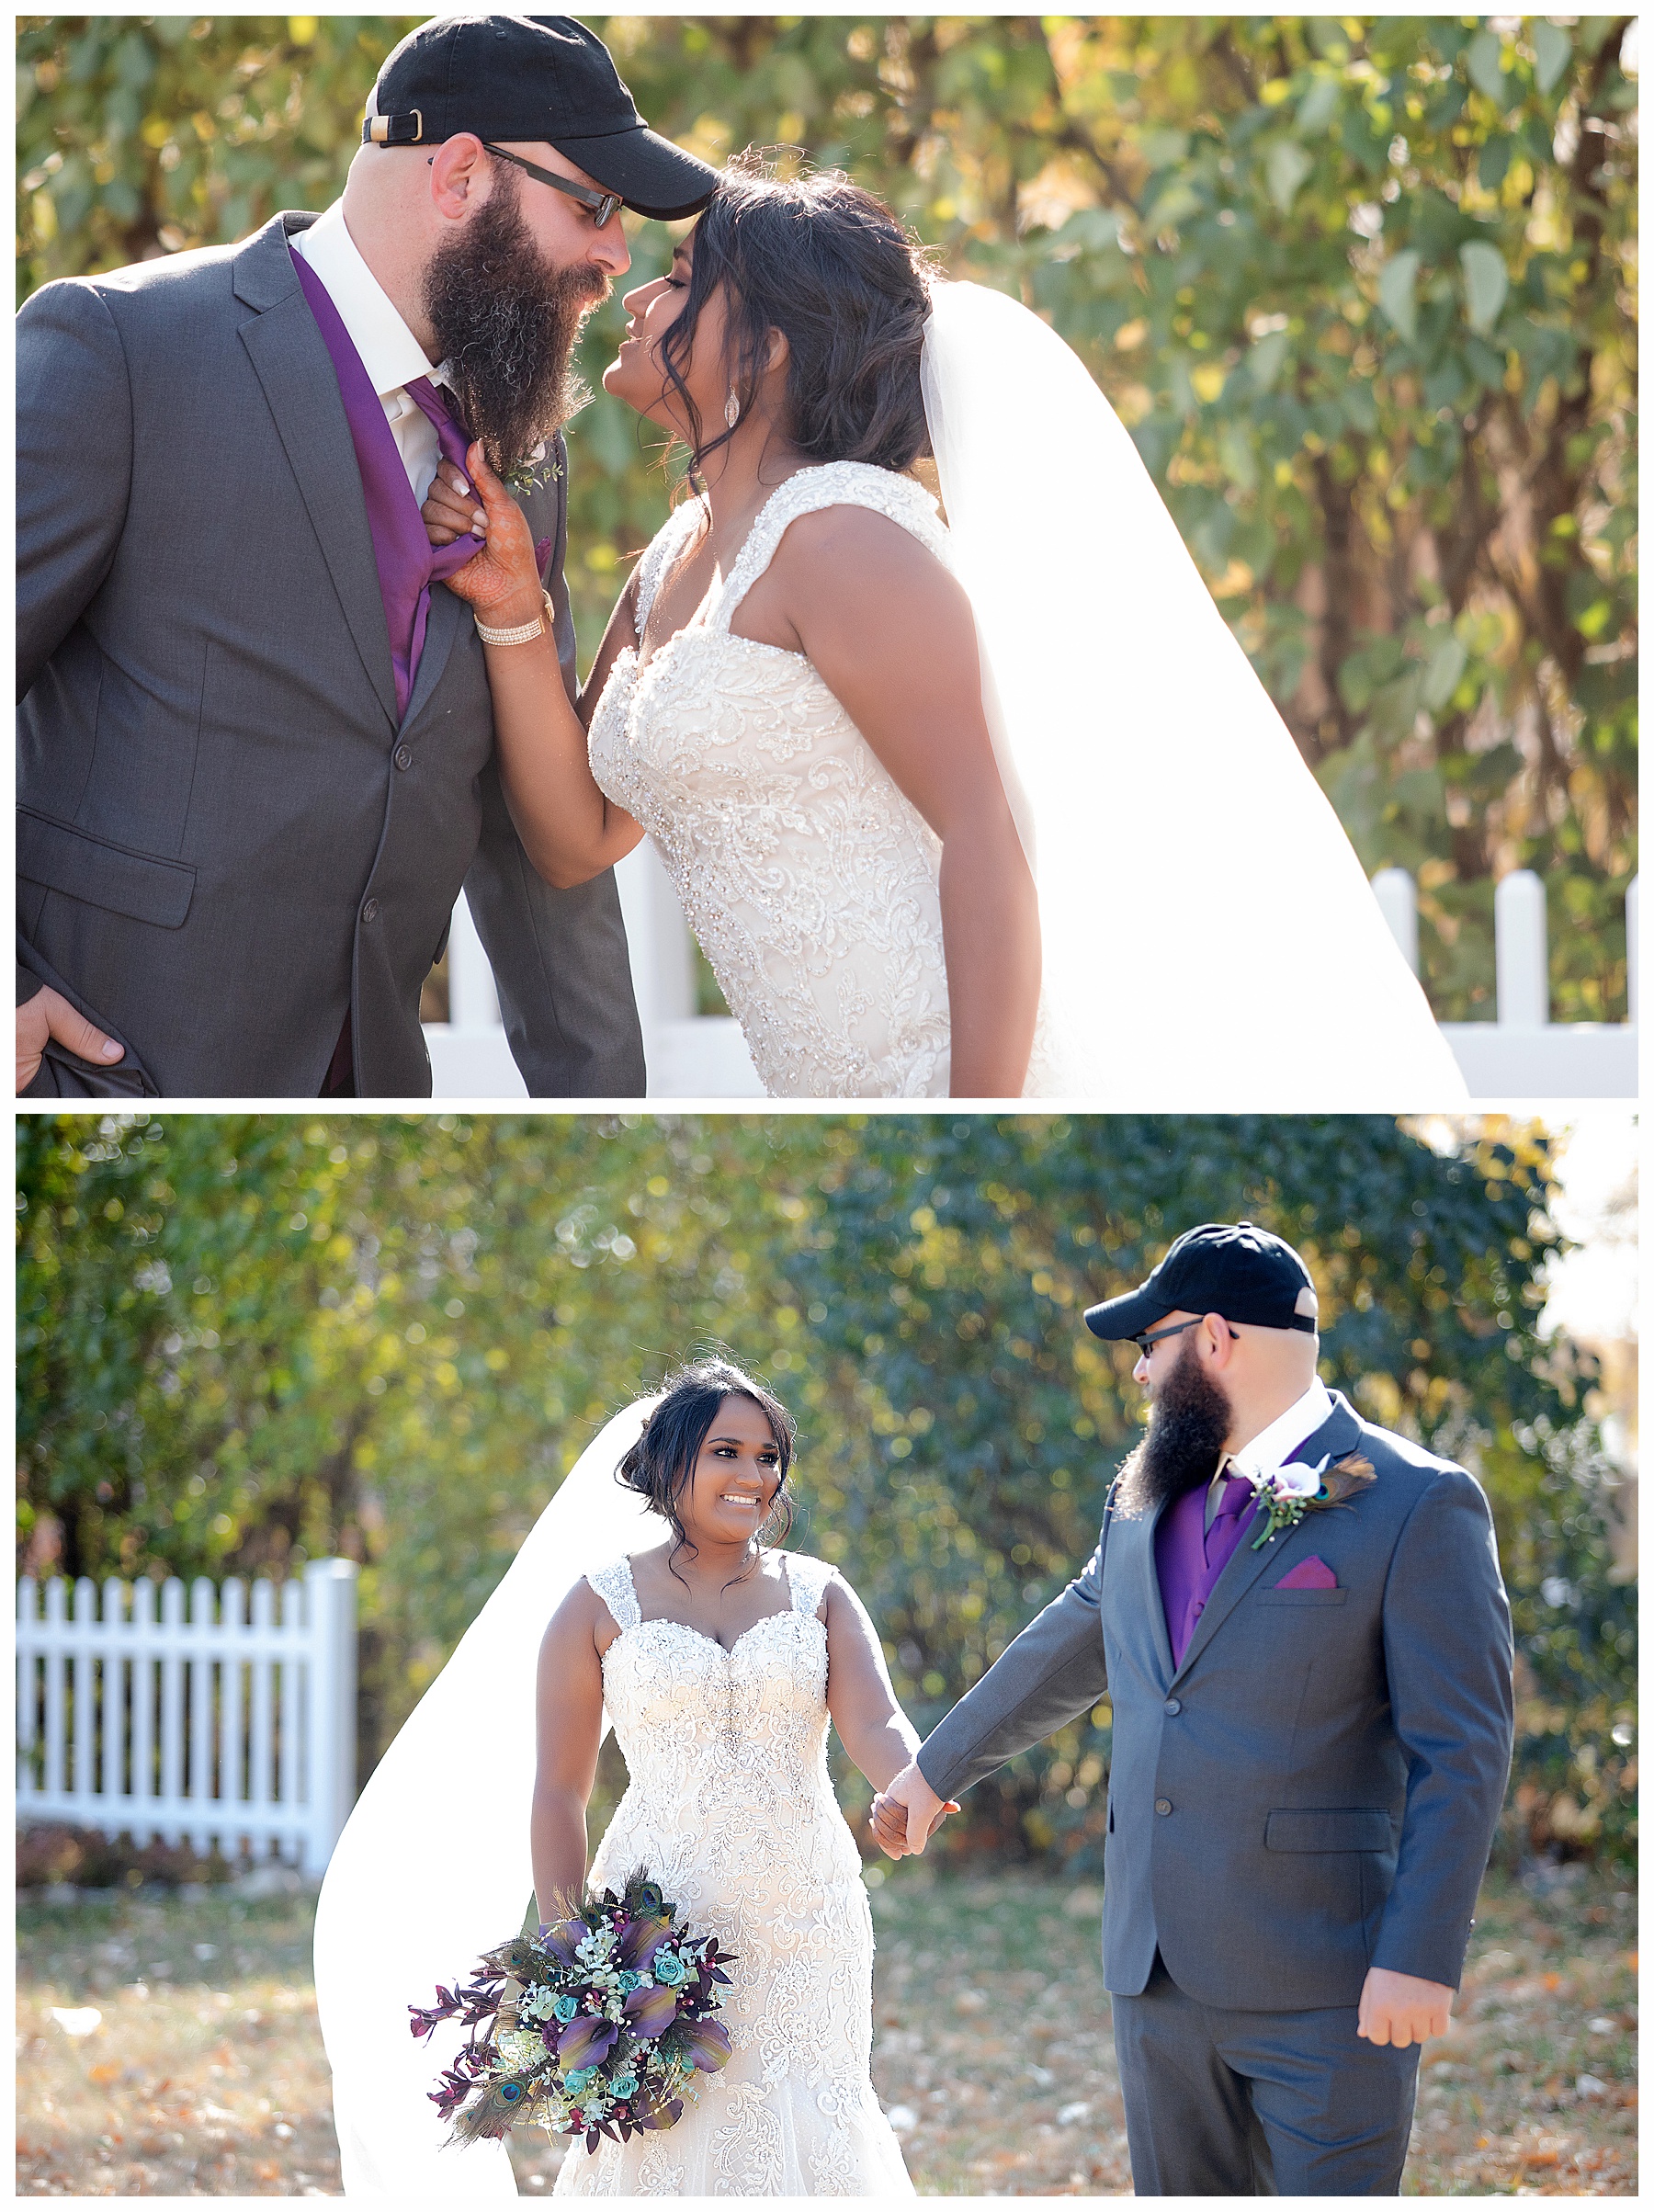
<point x="234" y="1726"/>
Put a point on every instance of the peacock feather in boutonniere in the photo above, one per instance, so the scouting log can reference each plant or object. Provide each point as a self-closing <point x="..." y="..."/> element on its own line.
<point x="1285" y="1497"/>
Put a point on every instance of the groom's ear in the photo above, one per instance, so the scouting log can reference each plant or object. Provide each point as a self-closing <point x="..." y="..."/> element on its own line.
<point x="458" y="174"/>
<point x="1220" y="1338"/>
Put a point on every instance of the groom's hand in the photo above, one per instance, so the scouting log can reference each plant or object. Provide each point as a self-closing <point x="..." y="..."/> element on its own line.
<point x="1400" y="2008"/>
<point x="905" y="1814"/>
<point x="48" y="1014"/>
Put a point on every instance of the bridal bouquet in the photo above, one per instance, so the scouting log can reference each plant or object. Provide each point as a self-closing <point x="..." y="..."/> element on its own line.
<point x="596" y="2026"/>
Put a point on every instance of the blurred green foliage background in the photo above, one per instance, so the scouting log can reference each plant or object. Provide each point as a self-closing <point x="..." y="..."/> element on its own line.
<point x="243" y="1340"/>
<point x="1362" y="287"/>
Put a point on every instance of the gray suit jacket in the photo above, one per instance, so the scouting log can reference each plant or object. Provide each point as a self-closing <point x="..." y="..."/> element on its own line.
<point x="225" y="836"/>
<point x="1314" y="1790"/>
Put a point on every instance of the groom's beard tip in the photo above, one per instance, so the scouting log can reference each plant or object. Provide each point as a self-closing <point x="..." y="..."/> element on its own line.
<point x="1187" y="1426"/>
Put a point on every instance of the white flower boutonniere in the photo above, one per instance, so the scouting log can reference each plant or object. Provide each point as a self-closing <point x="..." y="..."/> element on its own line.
<point x="1285" y="1497"/>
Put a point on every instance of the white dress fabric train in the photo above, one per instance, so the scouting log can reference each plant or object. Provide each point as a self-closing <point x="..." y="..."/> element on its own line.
<point x="730" y="1808"/>
<point x="810" y="880"/>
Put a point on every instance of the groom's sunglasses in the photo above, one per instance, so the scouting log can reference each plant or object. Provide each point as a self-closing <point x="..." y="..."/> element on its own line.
<point x="1145" y="1344"/>
<point x="603" y="205"/>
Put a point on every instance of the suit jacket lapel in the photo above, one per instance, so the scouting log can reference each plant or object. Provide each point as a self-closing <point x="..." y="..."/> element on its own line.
<point x="444" y="624"/>
<point x="302" y="392"/>
<point x="1339" y="1433"/>
<point x="1142" y="1586"/>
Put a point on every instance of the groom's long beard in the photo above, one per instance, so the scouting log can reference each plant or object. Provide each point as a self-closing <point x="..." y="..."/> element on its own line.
<point x="1187" y="1426"/>
<point x="506" y="320"/>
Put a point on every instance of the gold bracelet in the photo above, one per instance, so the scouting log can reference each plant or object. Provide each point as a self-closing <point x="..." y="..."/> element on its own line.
<point x="545" y="620"/>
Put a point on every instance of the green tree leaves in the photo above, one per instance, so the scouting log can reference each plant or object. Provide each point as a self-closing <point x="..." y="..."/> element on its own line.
<point x="1486" y="283"/>
<point x="1397" y="291"/>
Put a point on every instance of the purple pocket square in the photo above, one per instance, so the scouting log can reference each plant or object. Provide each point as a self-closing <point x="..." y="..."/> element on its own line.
<point x="1309" y="1574"/>
<point x="542" y="553"/>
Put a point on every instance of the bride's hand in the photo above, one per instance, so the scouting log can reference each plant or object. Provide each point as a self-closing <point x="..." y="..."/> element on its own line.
<point x="503" y="582"/>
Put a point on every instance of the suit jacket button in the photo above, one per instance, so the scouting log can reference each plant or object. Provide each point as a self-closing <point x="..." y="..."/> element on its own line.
<point x="1162" y="1806"/>
<point x="403" y="756"/>
<point x="370" y="910"/>
<point x="1174" y="1705"/>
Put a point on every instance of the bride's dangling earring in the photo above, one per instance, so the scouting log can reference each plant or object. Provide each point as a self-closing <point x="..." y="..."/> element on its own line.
<point x="731" y="409"/>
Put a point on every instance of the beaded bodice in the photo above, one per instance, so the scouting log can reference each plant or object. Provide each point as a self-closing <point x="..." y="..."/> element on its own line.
<point x="721" y="1744"/>
<point x="809" y="879"/>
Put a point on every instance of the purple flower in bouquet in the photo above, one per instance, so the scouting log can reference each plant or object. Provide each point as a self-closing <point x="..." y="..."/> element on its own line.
<point x="641" y="1940"/>
<point x="705" y="2044"/>
<point x="561" y="1938"/>
<point x="587" y="2041"/>
<point x="648" y="2010"/>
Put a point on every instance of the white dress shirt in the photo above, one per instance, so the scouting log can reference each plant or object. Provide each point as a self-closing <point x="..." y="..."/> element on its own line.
<point x="389" y="352"/>
<point x="1272" y="1448"/>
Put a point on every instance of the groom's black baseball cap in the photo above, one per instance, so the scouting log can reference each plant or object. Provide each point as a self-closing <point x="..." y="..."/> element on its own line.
<point x="1234" y="1268"/>
<point x="533" y="77"/>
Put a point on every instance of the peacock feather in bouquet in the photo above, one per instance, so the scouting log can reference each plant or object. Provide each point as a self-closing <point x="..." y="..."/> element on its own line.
<point x="597" y="2026"/>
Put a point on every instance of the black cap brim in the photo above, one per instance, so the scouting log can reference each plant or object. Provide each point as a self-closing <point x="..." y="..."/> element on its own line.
<point x="1119" y="1318"/>
<point x="652" y="177"/>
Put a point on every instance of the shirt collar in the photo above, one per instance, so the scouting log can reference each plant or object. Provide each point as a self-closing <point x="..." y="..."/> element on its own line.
<point x="1272" y="1448"/>
<point x="388" y="349"/>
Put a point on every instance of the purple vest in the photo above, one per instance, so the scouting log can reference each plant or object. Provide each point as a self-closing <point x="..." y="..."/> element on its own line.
<point x="406" y="559"/>
<point x="1189" y="1557"/>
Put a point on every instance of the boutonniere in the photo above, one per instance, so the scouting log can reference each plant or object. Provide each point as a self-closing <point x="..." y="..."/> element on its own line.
<point x="528" y="476"/>
<point x="1297" y="1488"/>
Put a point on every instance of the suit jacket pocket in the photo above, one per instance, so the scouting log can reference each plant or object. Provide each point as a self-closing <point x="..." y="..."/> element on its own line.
<point x="64" y="1075"/>
<point x="1355" y="1831"/>
<point x="90" y="868"/>
<point x="1299" y="1597"/>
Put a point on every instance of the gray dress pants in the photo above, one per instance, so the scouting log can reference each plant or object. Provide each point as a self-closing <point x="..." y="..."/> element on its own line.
<point x="1232" y="2103"/>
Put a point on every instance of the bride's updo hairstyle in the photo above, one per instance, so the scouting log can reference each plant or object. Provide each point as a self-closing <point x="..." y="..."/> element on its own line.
<point x="662" y="1461"/>
<point x="829" y="264"/>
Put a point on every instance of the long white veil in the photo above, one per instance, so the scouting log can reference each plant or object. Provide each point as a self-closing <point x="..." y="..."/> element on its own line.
<point x="1209" y="933"/>
<point x="434" y="1866"/>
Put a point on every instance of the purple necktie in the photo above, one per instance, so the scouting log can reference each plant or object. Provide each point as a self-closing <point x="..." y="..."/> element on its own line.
<point x="1221" y="1537"/>
<point x="449" y="437"/>
<point x="442" y="561"/>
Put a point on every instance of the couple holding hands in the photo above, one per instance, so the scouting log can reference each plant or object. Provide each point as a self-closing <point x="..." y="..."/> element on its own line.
<point x="1296" y="1617"/>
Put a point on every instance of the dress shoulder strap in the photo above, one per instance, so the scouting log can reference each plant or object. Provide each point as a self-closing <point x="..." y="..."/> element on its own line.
<point x="667" y="541"/>
<point x="808" y="1580"/>
<point x="612" y="1585"/>
<point x="838" y="483"/>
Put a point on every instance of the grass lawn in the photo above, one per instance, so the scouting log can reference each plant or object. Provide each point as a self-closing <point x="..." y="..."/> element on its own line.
<point x="994" y="2036"/>
<point x="204" y="2075"/>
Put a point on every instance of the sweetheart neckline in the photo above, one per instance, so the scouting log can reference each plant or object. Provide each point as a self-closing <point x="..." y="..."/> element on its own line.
<point x="729" y="1650"/>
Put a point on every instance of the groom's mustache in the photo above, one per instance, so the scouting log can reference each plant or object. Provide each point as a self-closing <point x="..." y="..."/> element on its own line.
<point x="506" y="320"/>
<point x="1187" y="1426"/>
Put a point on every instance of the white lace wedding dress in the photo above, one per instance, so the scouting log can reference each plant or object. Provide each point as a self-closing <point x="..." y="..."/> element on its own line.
<point x="809" y="879"/>
<point x="729" y="1809"/>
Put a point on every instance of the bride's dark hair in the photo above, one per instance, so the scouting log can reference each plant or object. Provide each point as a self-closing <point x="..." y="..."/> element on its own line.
<point x="815" y="257"/>
<point x="663" y="1458"/>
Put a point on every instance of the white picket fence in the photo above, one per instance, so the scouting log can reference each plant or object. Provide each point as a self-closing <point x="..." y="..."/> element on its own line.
<point x="1522" y="1053"/>
<point x="236" y="1725"/>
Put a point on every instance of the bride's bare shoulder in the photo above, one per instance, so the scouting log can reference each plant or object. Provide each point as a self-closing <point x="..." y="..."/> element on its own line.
<point x="582" y="1618"/>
